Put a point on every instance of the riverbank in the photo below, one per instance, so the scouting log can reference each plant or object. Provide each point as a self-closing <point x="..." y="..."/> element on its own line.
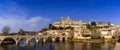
<point x="94" y="40"/>
<point x="117" y="46"/>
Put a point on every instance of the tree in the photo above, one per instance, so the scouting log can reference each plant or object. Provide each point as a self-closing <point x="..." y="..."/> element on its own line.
<point x="88" y="26"/>
<point x="21" y="31"/>
<point x="52" y="27"/>
<point x="93" y="24"/>
<point x="95" y="33"/>
<point x="5" y="30"/>
<point x="61" y="28"/>
<point x="69" y="28"/>
<point x="44" y="29"/>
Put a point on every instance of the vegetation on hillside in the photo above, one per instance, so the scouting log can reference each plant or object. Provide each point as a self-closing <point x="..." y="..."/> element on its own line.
<point x="59" y="28"/>
<point x="95" y="34"/>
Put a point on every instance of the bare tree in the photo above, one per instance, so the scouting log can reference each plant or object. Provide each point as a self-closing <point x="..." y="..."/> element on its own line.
<point x="5" y="30"/>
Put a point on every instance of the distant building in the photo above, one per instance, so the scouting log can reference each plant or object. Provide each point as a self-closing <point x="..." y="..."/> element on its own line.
<point x="102" y="24"/>
<point x="106" y="33"/>
<point x="67" y="22"/>
<point x="106" y="29"/>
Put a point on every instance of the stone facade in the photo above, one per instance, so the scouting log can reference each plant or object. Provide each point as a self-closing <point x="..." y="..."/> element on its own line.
<point x="67" y="22"/>
<point x="106" y="29"/>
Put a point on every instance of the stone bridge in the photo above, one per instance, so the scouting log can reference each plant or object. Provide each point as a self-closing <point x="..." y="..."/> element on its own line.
<point x="18" y="38"/>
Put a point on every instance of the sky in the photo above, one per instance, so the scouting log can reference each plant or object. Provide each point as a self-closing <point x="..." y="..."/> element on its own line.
<point x="33" y="15"/>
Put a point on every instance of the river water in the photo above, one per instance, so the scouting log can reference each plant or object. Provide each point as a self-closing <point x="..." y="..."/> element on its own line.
<point x="59" y="46"/>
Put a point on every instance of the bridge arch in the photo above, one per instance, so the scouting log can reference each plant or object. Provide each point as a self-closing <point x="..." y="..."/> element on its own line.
<point x="22" y="41"/>
<point x="32" y="41"/>
<point x="118" y="40"/>
<point x="63" y="38"/>
<point x="49" y="39"/>
<point x="8" y="40"/>
<point x="59" y="39"/>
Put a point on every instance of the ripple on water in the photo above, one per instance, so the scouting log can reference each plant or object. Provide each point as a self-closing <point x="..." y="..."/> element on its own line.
<point x="61" y="46"/>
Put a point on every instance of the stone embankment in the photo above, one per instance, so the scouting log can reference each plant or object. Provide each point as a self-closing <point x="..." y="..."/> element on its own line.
<point x="117" y="46"/>
<point x="95" y="40"/>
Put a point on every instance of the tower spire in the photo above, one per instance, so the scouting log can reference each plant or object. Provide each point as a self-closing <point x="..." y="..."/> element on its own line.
<point x="68" y="18"/>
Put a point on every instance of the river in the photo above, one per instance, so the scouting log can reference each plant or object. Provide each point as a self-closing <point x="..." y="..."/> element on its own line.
<point x="59" y="46"/>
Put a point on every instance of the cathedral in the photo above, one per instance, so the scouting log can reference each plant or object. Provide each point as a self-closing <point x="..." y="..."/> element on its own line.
<point x="67" y="22"/>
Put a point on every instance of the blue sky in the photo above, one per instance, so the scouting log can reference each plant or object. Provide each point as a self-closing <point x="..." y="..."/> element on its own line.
<point x="33" y="15"/>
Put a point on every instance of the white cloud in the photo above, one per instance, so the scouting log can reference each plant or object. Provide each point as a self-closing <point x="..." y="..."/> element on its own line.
<point x="37" y="19"/>
<point x="15" y="16"/>
<point x="32" y="24"/>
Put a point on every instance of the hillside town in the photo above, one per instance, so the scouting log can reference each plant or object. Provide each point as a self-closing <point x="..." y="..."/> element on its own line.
<point x="77" y="29"/>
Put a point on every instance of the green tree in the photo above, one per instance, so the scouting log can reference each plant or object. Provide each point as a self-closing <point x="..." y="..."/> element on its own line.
<point x="61" y="28"/>
<point x="52" y="27"/>
<point x="95" y="34"/>
<point x="88" y="26"/>
<point x="44" y="29"/>
<point x="93" y="24"/>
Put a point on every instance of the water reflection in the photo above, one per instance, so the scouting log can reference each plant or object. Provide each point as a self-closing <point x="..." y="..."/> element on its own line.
<point x="59" y="46"/>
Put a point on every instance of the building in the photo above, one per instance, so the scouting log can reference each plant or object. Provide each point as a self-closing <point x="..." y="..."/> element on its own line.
<point x="106" y="33"/>
<point x="67" y="22"/>
<point x="102" y="24"/>
<point x="106" y="29"/>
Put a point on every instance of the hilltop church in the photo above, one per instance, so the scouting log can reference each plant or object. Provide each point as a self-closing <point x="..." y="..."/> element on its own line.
<point x="80" y="28"/>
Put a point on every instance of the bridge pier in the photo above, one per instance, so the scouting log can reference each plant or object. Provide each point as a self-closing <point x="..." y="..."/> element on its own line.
<point x="17" y="39"/>
<point x="44" y="40"/>
<point x="53" y="39"/>
<point x="66" y="38"/>
<point x="60" y="39"/>
<point x="27" y="42"/>
<point x="1" y="41"/>
<point x="36" y="42"/>
<point x="17" y="43"/>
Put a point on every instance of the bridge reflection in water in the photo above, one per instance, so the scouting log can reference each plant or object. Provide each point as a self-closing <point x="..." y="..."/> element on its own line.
<point x="60" y="46"/>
